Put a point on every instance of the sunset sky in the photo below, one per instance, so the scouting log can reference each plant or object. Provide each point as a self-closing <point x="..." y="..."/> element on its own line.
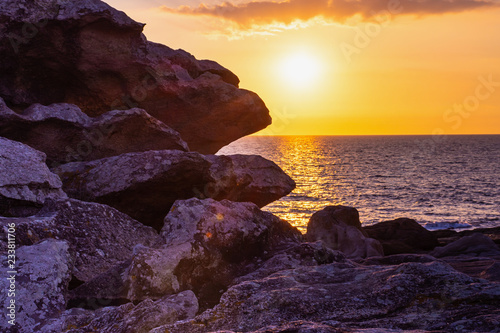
<point x="337" y="67"/>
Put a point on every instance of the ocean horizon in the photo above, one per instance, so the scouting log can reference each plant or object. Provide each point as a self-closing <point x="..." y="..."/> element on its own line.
<point x="443" y="182"/>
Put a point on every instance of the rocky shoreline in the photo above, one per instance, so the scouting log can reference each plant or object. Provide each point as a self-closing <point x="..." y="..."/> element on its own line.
<point x="120" y="219"/>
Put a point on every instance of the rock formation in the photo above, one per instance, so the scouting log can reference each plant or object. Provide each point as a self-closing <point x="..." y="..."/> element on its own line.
<point x="89" y="54"/>
<point x="66" y="134"/>
<point x="127" y="318"/>
<point x="219" y="263"/>
<point x="248" y="178"/>
<point x="474" y="245"/>
<point x="40" y="285"/>
<point x="402" y="236"/>
<point x="98" y="235"/>
<point x="145" y="185"/>
<point x="429" y="296"/>
<point x="204" y="245"/>
<point x="25" y="180"/>
<point x="340" y="229"/>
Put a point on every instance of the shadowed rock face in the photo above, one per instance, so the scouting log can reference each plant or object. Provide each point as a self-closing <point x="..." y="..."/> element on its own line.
<point x="66" y="134"/>
<point x="238" y="230"/>
<point x="99" y="235"/>
<point x="25" y="180"/>
<point x="145" y="185"/>
<point x="247" y="178"/>
<point x="44" y="272"/>
<point x="340" y="229"/>
<point x="475" y="245"/>
<point x="402" y="236"/>
<point x="88" y="54"/>
<point x="142" y="185"/>
<point x="204" y="245"/>
<point x="128" y="318"/>
<point x="427" y="296"/>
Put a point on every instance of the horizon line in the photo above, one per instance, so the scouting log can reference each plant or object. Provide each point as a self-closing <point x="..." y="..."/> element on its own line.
<point x="437" y="135"/>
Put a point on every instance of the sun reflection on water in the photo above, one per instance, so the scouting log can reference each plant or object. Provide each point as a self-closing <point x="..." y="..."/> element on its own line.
<point x="318" y="172"/>
<point x="313" y="165"/>
<point x="385" y="178"/>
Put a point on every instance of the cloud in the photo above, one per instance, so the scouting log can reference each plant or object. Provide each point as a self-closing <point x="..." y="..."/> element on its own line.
<point x="250" y="15"/>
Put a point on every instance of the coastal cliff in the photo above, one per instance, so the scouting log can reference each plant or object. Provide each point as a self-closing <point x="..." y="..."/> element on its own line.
<point x="122" y="221"/>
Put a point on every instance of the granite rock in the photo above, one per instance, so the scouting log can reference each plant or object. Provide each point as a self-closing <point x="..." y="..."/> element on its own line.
<point x="476" y="245"/>
<point x="340" y="229"/>
<point x="99" y="236"/>
<point x="66" y="134"/>
<point x="25" y="181"/>
<point x="89" y="54"/>
<point x="402" y="236"/>
<point x="40" y="285"/>
<point x="410" y="296"/>
<point x="145" y="185"/>
<point x="203" y="247"/>
<point x="129" y="318"/>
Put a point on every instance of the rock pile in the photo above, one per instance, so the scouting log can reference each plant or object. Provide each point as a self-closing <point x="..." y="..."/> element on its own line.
<point x="123" y="224"/>
<point x="88" y="54"/>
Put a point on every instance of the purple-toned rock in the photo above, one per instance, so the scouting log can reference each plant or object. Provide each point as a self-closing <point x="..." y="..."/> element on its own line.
<point x="295" y="256"/>
<point x="257" y="179"/>
<point x="39" y="286"/>
<point x="300" y="326"/>
<point x="397" y="259"/>
<point x="141" y="185"/>
<point x="89" y="54"/>
<point x="402" y="236"/>
<point x="205" y="245"/>
<point x="340" y="229"/>
<point x="130" y="318"/>
<point x="476" y="245"/>
<point x="145" y="185"/>
<point x="478" y="267"/>
<point x="25" y="180"/>
<point x="421" y="296"/>
<point x="66" y="134"/>
<point x="239" y="230"/>
<point x="99" y="235"/>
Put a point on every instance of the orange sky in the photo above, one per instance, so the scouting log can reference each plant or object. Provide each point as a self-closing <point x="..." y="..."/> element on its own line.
<point x="327" y="67"/>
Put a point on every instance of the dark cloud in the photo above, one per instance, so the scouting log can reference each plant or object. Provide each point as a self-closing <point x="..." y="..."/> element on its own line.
<point x="246" y="15"/>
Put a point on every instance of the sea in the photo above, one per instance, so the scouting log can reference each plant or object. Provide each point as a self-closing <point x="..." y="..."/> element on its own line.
<point x="443" y="182"/>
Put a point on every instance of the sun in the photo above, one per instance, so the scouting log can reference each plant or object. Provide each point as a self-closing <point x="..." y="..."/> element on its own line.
<point x="300" y="69"/>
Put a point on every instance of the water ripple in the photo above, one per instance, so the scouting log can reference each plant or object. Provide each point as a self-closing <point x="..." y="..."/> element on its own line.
<point x="454" y="185"/>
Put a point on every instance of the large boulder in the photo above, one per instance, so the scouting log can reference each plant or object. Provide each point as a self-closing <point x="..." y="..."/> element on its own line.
<point x="129" y="318"/>
<point x="66" y="134"/>
<point x="476" y="245"/>
<point x="145" y="185"/>
<point x="447" y="236"/>
<point x="480" y="267"/>
<point x="412" y="296"/>
<point x="89" y="54"/>
<point x="402" y="236"/>
<point x="25" y="181"/>
<point x="38" y="286"/>
<point x="340" y="229"/>
<point x="301" y="326"/>
<point x="238" y="230"/>
<point x="141" y="185"/>
<point x="255" y="179"/>
<point x="473" y="253"/>
<point x="292" y="257"/>
<point x="100" y="236"/>
<point x="204" y="245"/>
